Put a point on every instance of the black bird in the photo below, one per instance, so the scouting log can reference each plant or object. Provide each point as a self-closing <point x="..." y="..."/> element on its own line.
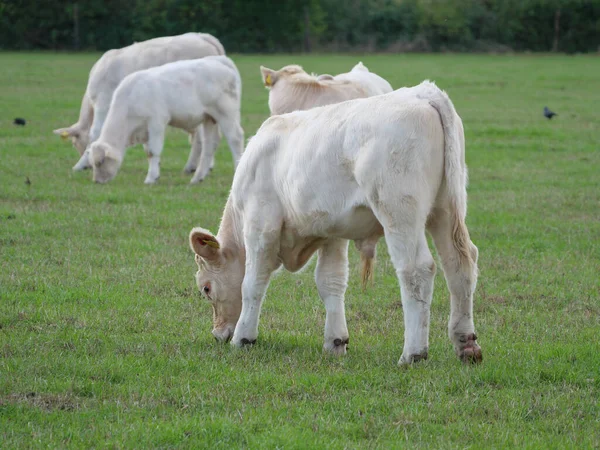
<point x="27" y="181"/>
<point x="549" y="114"/>
<point x="19" y="121"/>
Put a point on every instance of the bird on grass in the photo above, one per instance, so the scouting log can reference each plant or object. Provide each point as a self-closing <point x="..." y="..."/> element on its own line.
<point x="549" y="114"/>
<point x="19" y="121"/>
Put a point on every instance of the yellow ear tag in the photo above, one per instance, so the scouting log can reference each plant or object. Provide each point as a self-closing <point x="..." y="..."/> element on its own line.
<point x="64" y="135"/>
<point x="268" y="80"/>
<point x="212" y="244"/>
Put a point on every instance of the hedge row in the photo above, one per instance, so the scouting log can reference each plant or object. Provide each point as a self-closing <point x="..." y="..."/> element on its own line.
<point x="294" y="25"/>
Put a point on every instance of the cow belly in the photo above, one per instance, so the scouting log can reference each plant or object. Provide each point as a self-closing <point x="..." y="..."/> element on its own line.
<point x="299" y="244"/>
<point x="187" y="122"/>
<point x="356" y="223"/>
<point x="360" y="223"/>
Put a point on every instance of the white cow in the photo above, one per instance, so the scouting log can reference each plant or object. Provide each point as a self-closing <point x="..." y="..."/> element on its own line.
<point x="114" y="66"/>
<point x="292" y="89"/>
<point x="310" y="181"/>
<point x="189" y="94"/>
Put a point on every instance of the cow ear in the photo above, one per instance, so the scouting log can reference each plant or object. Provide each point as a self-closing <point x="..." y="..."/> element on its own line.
<point x="66" y="133"/>
<point x="204" y="244"/>
<point x="360" y="66"/>
<point x="269" y="76"/>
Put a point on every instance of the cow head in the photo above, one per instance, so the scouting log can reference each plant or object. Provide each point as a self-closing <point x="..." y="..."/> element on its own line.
<point x="219" y="279"/>
<point x="289" y="87"/>
<point x="106" y="161"/>
<point x="270" y="77"/>
<point x="79" y="137"/>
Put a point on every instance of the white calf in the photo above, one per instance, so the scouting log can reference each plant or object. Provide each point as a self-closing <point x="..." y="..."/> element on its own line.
<point x="203" y="93"/>
<point x="310" y="181"/>
<point x="108" y="72"/>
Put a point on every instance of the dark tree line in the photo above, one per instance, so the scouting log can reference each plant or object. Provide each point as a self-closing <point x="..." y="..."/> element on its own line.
<point x="294" y="25"/>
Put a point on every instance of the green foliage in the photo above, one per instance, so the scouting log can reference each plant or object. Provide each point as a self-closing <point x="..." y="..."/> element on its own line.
<point x="258" y="26"/>
<point x="105" y="341"/>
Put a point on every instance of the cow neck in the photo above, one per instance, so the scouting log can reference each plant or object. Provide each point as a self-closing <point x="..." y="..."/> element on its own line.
<point x="86" y="114"/>
<point x="230" y="233"/>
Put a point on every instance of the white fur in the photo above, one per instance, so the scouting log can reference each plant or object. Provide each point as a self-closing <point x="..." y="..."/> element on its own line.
<point x="108" y="72"/>
<point x="292" y="89"/>
<point x="201" y="94"/>
<point x="391" y="165"/>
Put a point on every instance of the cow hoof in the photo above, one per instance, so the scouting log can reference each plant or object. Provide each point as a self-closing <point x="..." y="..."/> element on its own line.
<point x="150" y="180"/>
<point x="188" y="170"/>
<point x="338" y="347"/>
<point x="470" y="353"/>
<point x="244" y="342"/>
<point x="196" y="181"/>
<point x="415" y="357"/>
<point x="339" y="342"/>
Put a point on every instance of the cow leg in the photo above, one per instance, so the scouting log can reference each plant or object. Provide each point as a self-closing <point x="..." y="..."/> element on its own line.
<point x="196" y="149"/>
<point x="234" y="134"/>
<point x="461" y="278"/>
<point x="261" y="262"/>
<point x="154" y="148"/>
<point x="415" y="269"/>
<point x="210" y="141"/>
<point x="331" y="276"/>
<point x="100" y="113"/>
<point x="403" y="214"/>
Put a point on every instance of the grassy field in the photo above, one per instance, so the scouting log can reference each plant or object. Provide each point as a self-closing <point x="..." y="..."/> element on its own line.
<point x="105" y="341"/>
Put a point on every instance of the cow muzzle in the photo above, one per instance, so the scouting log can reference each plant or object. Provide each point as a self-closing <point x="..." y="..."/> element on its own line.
<point x="223" y="334"/>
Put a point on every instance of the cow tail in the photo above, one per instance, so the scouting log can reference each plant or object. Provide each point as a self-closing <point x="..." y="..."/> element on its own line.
<point x="367" y="266"/>
<point x="455" y="171"/>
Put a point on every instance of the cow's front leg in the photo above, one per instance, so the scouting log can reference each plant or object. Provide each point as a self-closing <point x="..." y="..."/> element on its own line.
<point x="261" y="261"/>
<point x="100" y="113"/>
<point x="331" y="276"/>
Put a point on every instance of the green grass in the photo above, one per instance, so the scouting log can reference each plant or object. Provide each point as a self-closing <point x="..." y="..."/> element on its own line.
<point x="105" y="342"/>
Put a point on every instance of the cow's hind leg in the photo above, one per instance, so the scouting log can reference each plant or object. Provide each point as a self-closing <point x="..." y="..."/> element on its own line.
<point x="210" y="141"/>
<point x="234" y="134"/>
<point x="331" y="276"/>
<point x="459" y="261"/>
<point x="403" y="221"/>
<point x="195" y="140"/>
<point x="415" y="269"/>
<point x="154" y="148"/>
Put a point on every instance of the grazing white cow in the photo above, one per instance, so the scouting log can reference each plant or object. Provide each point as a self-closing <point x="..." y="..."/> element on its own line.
<point x="203" y="93"/>
<point x="108" y="72"/>
<point x="310" y="181"/>
<point x="292" y="89"/>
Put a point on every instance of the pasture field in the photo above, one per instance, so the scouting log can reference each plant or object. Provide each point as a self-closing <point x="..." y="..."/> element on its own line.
<point x="105" y="341"/>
